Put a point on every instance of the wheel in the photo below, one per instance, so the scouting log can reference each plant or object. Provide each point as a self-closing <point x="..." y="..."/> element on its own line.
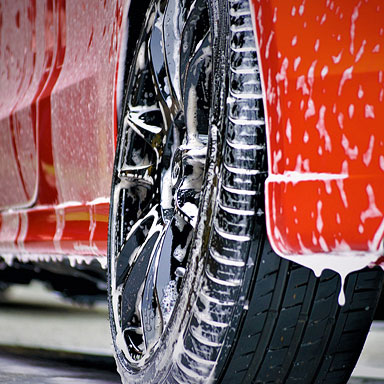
<point x="196" y="294"/>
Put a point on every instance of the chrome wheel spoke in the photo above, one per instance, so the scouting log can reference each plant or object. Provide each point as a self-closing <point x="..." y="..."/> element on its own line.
<point x="141" y="90"/>
<point x="126" y="258"/>
<point x="165" y="275"/>
<point x="195" y="29"/>
<point x="167" y="266"/>
<point x="198" y="85"/>
<point x="157" y="60"/>
<point x="138" y="157"/>
<point x="131" y="268"/>
<point x="134" y="197"/>
<point x="187" y="178"/>
<point x="151" y="309"/>
<point x="130" y="321"/>
<point x="174" y="18"/>
<point x="147" y="122"/>
<point x="147" y="275"/>
<point x="134" y="282"/>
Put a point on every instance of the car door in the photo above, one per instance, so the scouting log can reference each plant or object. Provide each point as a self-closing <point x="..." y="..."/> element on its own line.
<point x="26" y="55"/>
<point x="58" y="121"/>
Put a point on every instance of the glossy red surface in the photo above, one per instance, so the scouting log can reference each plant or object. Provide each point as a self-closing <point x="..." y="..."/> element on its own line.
<point x="23" y="74"/>
<point x="58" y="76"/>
<point x="322" y="64"/>
<point x="324" y="89"/>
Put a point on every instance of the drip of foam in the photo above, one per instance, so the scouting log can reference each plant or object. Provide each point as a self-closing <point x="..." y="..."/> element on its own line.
<point x="169" y="300"/>
<point x="74" y="260"/>
<point x="343" y="264"/>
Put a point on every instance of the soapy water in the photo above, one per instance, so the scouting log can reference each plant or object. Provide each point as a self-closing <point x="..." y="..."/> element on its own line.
<point x="169" y="300"/>
<point x="343" y="265"/>
<point x="342" y="261"/>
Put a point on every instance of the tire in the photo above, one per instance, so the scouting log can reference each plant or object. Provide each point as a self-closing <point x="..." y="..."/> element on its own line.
<point x="196" y="294"/>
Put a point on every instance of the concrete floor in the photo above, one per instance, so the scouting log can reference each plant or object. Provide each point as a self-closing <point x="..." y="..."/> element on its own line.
<point x="40" y="369"/>
<point x="371" y="362"/>
<point x="34" y="317"/>
<point x="46" y="328"/>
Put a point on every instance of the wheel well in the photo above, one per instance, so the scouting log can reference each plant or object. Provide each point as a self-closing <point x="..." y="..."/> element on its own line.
<point x="84" y="283"/>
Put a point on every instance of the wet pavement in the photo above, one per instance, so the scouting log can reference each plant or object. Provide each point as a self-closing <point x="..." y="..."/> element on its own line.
<point x="35" y="367"/>
<point x="33" y="317"/>
<point x="47" y="340"/>
<point x="371" y="362"/>
<point x="365" y="381"/>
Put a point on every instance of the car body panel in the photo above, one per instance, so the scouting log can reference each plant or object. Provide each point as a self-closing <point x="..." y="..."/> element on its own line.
<point x="70" y="103"/>
<point x="73" y="229"/>
<point x="322" y="64"/>
<point x="26" y="54"/>
<point x="83" y="102"/>
<point x="56" y="201"/>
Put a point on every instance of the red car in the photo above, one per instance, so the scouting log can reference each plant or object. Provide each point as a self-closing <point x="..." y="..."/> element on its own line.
<point x="244" y="146"/>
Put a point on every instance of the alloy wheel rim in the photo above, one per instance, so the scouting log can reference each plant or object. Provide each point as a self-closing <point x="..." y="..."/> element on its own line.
<point x="159" y="172"/>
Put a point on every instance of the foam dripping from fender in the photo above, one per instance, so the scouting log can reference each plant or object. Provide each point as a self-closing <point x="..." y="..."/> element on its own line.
<point x="343" y="262"/>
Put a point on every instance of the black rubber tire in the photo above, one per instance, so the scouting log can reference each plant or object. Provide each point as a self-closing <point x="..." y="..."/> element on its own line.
<point x="245" y="315"/>
<point x="295" y="331"/>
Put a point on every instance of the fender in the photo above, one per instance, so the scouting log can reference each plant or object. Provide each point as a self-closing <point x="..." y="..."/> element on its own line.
<point x="322" y="69"/>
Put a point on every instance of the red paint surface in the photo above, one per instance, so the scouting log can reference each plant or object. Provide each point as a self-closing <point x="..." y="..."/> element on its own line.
<point x="57" y="118"/>
<point x="80" y="230"/>
<point x="22" y="73"/>
<point x="322" y="64"/>
<point x="58" y="75"/>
